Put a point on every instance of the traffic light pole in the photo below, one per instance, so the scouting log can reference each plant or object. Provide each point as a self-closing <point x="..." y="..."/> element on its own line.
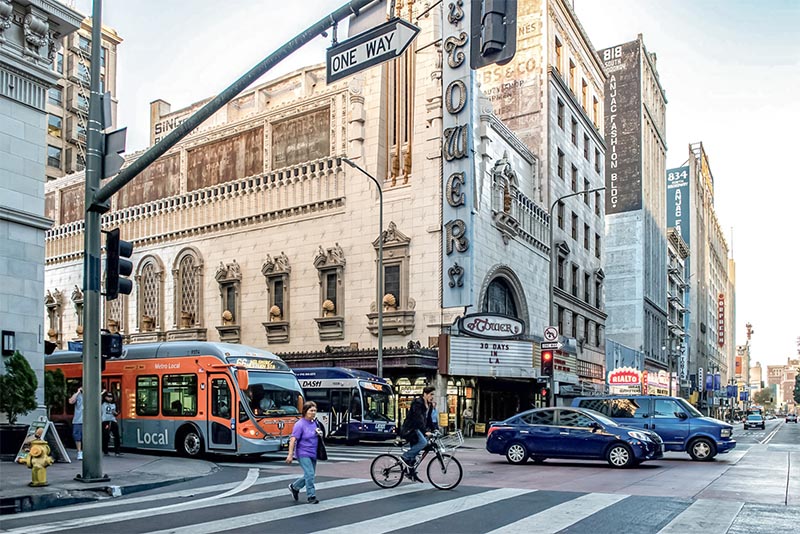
<point x="92" y="467"/>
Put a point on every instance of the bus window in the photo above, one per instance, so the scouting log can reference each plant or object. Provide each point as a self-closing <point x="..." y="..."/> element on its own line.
<point x="179" y="395"/>
<point x="147" y="395"/>
<point x="340" y="401"/>
<point x="220" y="398"/>
<point x="321" y="397"/>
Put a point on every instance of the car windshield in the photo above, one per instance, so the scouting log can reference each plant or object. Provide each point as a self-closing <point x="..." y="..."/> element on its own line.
<point x="694" y="412"/>
<point x="273" y="394"/>
<point x="754" y="418"/>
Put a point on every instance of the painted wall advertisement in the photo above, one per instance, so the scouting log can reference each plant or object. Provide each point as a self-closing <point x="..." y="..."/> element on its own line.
<point x="623" y="122"/>
<point x="678" y="201"/>
<point x="457" y="161"/>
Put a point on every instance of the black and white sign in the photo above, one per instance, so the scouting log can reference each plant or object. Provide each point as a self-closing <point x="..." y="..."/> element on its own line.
<point x="551" y="345"/>
<point x="372" y="47"/>
<point x="551" y="334"/>
<point x="491" y="326"/>
<point x="490" y="357"/>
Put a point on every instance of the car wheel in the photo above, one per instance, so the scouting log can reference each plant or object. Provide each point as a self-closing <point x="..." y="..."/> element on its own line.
<point x="702" y="450"/>
<point x="620" y="455"/>
<point x="516" y="453"/>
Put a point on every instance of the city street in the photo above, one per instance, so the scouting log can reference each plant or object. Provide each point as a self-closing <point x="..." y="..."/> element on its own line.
<point x="745" y="491"/>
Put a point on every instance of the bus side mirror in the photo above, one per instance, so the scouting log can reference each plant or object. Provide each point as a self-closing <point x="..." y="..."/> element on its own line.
<point x="242" y="378"/>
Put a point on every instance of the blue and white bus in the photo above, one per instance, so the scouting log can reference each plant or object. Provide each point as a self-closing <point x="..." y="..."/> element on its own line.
<point x="351" y="404"/>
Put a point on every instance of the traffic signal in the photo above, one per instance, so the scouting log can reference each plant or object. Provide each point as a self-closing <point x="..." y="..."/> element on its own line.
<point x="547" y="363"/>
<point x="110" y="347"/>
<point x="545" y="393"/>
<point x="493" y="32"/>
<point x="117" y="266"/>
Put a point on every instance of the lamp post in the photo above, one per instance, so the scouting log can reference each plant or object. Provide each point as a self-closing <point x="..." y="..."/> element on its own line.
<point x="378" y="301"/>
<point x="552" y="399"/>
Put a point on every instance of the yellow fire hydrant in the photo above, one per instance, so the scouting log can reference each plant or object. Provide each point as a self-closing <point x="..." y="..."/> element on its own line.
<point x="38" y="460"/>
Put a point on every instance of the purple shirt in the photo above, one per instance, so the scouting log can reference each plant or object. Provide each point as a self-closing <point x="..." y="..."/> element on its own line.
<point x="305" y="432"/>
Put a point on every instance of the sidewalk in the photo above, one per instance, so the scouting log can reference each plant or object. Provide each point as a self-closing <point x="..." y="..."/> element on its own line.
<point x="128" y="473"/>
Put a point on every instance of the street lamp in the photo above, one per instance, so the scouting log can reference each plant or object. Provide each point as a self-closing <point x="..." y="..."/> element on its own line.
<point x="380" y="264"/>
<point x="551" y="400"/>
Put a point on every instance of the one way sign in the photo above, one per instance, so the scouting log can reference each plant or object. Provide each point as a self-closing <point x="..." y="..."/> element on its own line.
<point x="372" y="47"/>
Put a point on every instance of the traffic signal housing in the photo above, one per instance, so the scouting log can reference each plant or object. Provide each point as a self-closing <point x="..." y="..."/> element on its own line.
<point x="110" y="347"/>
<point x="117" y="266"/>
<point x="547" y="363"/>
<point x="493" y="32"/>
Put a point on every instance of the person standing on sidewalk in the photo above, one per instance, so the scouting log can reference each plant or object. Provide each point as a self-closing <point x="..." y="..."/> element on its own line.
<point x="109" y="412"/>
<point x="305" y="436"/>
<point x="77" y="419"/>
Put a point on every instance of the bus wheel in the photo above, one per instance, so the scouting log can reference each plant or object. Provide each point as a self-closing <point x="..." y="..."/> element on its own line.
<point x="189" y="442"/>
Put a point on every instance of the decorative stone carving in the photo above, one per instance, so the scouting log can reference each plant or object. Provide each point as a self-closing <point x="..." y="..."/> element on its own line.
<point x="53" y="302"/>
<point x="6" y="12"/>
<point x="276" y="271"/>
<point x="229" y="278"/>
<point x="330" y="262"/>
<point x="36" y="29"/>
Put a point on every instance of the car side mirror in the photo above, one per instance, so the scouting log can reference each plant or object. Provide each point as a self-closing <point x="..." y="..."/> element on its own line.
<point x="681" y="415"/>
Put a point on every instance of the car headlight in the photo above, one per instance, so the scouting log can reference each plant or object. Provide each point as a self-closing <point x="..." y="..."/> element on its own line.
<point x="726" y="432"/>
<point x="641" y="436"/>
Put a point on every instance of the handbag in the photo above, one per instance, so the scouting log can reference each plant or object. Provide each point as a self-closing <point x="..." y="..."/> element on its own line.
<point x="322" y="452"/>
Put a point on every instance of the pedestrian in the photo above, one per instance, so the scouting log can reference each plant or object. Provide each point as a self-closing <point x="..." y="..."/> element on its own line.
<point x="469" y="421"/>
<point x="303" y="444"/>
<point x="77" y="419"/>
<point x="434" y="416"/>
<point x="109" y="412"/>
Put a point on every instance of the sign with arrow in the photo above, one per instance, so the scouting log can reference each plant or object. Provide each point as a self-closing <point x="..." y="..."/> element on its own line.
<point x="370" y="48"/>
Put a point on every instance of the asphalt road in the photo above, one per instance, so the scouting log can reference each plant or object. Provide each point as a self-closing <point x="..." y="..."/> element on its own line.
<point x="671" y="496"/>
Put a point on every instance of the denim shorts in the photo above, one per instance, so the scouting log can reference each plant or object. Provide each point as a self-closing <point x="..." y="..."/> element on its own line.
<point x="77" y="432"/>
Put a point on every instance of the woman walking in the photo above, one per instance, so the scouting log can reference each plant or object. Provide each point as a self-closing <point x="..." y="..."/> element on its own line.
<point x="305" y="437"/>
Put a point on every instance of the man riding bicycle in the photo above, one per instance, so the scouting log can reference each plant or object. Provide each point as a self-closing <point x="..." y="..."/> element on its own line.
<point x="417" y="425"/>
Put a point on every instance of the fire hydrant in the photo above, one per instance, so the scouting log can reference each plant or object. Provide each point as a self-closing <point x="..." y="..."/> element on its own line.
<point x="38" y="460"/>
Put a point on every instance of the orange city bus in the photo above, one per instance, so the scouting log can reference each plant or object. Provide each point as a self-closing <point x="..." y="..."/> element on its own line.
<point x="178" y="396"/>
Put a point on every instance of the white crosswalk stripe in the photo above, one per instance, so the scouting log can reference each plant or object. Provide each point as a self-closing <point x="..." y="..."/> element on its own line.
<point x="416" y="516"/>
<point x="561" y="516"/>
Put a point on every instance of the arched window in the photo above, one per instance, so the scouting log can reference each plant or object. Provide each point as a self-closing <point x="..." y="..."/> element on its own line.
<point x="149" y="282"/>
<point x="500" y="298"/>
<point x="187" y="274"/>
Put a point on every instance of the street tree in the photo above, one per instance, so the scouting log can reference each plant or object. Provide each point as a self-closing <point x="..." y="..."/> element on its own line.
<point x="764" y="398"/>
<point x="797" y="389"/>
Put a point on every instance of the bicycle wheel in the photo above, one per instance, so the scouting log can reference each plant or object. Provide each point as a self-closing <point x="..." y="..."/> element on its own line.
<point x="444" y="473"/>
<point x="387" y="470"/>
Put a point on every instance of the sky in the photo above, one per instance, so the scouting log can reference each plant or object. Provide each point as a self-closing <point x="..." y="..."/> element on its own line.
<point x="730" y="69"/>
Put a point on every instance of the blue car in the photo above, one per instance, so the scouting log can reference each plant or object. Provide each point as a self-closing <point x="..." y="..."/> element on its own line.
<point x="573" y="433"/>
<point x="681" y="426"/>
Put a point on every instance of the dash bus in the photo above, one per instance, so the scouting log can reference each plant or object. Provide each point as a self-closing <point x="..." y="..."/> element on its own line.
<point x="194" y="397"/>
<point x="351" y="404"/>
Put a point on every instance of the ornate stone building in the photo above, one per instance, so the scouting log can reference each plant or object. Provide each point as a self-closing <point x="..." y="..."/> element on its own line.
<point x="252" y="230"/>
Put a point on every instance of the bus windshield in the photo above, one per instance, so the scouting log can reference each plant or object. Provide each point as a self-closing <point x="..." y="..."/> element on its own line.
<point x="378" y="405"/>
<point x="273" y="394"/>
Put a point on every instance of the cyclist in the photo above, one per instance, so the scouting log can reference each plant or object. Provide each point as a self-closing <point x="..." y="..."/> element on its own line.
<point x="417" y="425"/>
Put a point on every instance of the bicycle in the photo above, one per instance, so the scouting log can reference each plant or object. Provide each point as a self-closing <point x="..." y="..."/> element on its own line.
<point x="444" y="471"/>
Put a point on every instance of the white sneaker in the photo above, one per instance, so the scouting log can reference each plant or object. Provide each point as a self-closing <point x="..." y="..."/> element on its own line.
<point x="80" y="455"/>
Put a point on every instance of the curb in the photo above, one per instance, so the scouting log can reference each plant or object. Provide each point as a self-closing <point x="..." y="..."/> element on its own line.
<point x="32" y="503"/>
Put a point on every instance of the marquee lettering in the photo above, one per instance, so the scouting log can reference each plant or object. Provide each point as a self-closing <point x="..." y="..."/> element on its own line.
<point x="456" y="236"/>
<point x="455" y="196"/>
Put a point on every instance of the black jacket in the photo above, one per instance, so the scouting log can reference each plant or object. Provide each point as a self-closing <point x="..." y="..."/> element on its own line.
<point x="417" y="418"/>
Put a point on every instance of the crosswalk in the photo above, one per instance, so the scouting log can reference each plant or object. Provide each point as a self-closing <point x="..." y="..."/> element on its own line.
<point x="336" y="454"/>
<point x="260" y="502"/>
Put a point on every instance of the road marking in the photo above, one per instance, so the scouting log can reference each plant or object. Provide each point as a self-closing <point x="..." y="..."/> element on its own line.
<point x="179" y="507"/>
<point x="708" y="516"/>
<point x="771" y="435"/>
<point x="193" y="492"/>
<point x="232" y="523"/>
<point x="423" y="514"/>
<point x="561" y="516"/>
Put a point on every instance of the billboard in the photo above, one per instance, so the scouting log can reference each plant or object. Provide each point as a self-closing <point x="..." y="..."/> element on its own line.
<point x="678" y="201"/>
<point x="623" y="122"/>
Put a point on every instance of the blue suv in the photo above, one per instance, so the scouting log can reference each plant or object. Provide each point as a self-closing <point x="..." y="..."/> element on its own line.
<point x="681" y="426"/>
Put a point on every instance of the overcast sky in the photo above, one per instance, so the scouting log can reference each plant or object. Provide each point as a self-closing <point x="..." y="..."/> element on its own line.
<point x="730" y="68"/>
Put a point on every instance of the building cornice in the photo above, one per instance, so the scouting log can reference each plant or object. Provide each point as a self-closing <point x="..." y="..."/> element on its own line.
<point x="24" y="218"/>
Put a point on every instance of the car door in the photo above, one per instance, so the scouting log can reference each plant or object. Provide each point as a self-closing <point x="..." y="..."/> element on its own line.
<point x="670" y="422"/>
<point x="578" y="437"/>
<point x="539" y="432"/>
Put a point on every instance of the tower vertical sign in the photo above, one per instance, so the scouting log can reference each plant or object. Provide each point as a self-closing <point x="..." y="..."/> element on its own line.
<point x="457" y="158"/>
